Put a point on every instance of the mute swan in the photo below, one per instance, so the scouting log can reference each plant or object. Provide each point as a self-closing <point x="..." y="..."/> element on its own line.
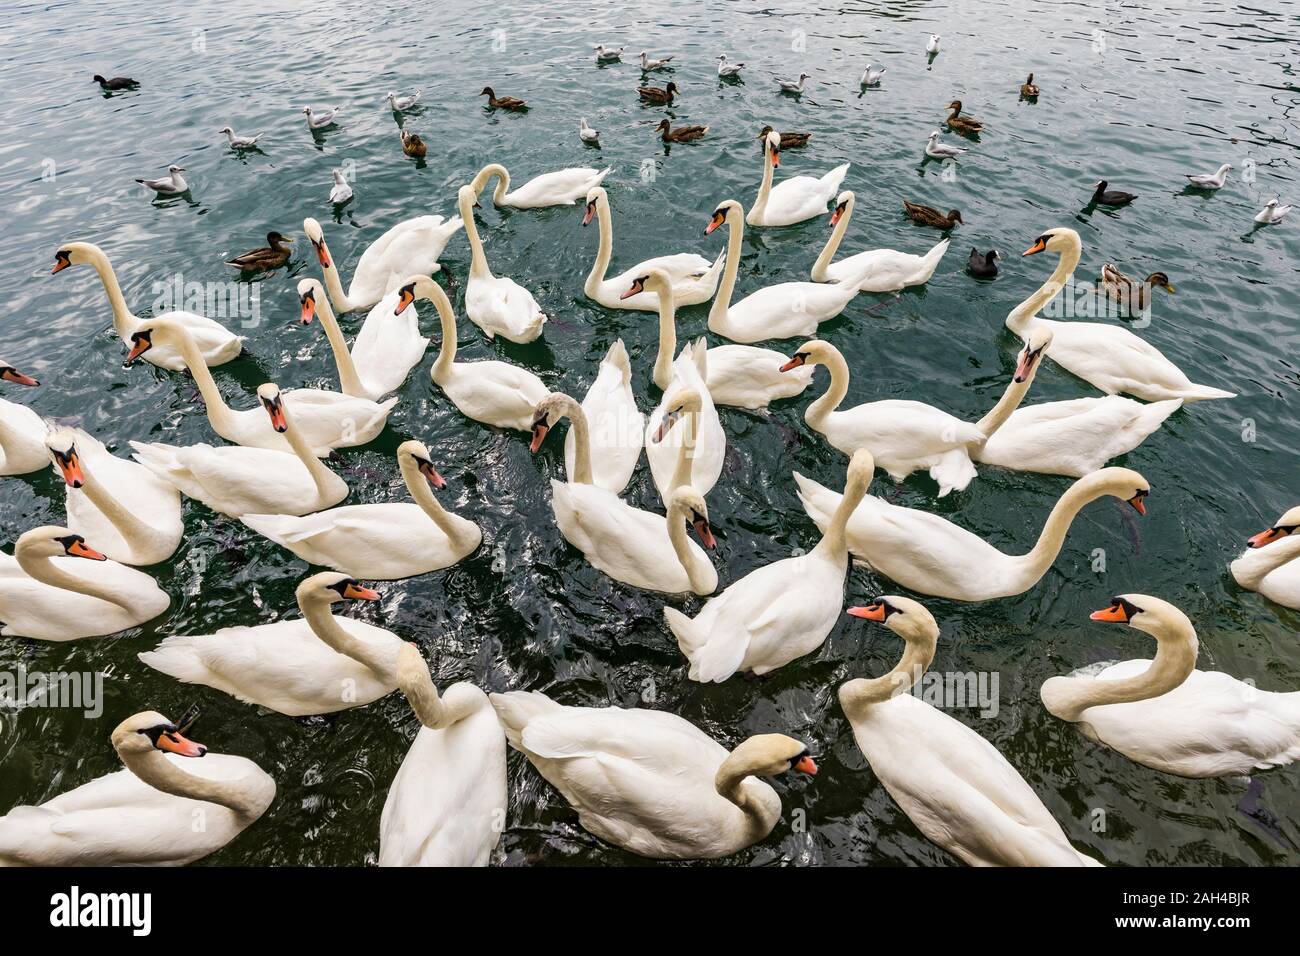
<point x="882" y="270"/>
<point x="931" y="555"/>
<point x="649" y="781"/>
<point x="1271" y="566"/>
<point x="778" y="612"/>
<point x="694" y="278"/>
<point x="1167" y="715"/>
<point x="630" y="545"/>
<point x="742" y="375"/>
<point x="1214" y="180"/>
<point x="1074" y="437"/>
<point x="795" y="199"/>
<point x="497" y="305"/>
<point x="384" y="541"/>
<point x="22" y="431"/>
<point x="316" y="664"/>
<point x="447" y="804"/>
<point x="47" y="595"/>
<point x="1109" y="357"/>
<point x="705" y="448"/>
<point x="954" y="785"/>
<point x="173" y="184"/>
<point x="325" y="420"/>
<point x="411" y="246"/>
<point x="235" y="480"/>
<point x="384" y="352"/>
<point x="786" y="310"/>
<point x="617" y="426"/>
<point x="492" y="392"/>
<point x="217" y="344"/>
<point x="564" y="187"/>
<point x="162" y="810"/>
<point x="130" y="513"/>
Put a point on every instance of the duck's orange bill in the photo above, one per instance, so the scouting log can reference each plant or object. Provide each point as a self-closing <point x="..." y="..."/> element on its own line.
<point x="1268" y="536"/>
<point x="79" y="549"/>
<point x="174" y="743"/>
<point x="1115" y="613"/>
<point x="1038" y="246"/>
<point x="308" y="308"/>
<point x="356" y="592"/>
<point x="872" y="612"/>
<point x="806" y="765"/>
<point x="405" y="298"/>
<point x="792" y="364"/>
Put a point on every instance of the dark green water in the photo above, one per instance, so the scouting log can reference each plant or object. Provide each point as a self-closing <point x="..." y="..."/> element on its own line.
<point x="1178" y="89"/>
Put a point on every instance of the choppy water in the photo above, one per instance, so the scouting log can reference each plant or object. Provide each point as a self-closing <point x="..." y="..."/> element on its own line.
<point x="1179" y="88"/>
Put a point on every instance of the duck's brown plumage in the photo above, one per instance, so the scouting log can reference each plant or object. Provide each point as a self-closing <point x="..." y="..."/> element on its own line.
<point x="412" y="145"/>
<point x="929" y="216"/>
<point x="502" y="102"/>
<point x="1027" y="88"/>
<point x="788" y="140"/>
<point x="682" y="134"/>
<point x="272" y="256"/>
<point x="962" y="124"/>
<point x="1120" y="288"/>
<point x="658" y="94"/>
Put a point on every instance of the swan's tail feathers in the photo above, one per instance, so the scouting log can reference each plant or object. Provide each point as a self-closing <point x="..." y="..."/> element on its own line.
<point x="617" y="357"/>
<point x="600" y="177"/>
<point x="953" y="471"/>
<point x="286" y="530"/>
<point x="711" y="277"/>
<point x="159" y="458"/>
<point x="712" y="660"/>
<point x="451" y="226"/>
<point x="929" y="262"/>
<point x="517" y="708"/>
<point x="1199" y="393"/>
<point x="816" y="500"/>
<point x="683" y="628"/>
<point x="178" y="656"/>
<point x="1147" y="421"/>
<point x="700" y="356"/>
<point x="831" y="181"/>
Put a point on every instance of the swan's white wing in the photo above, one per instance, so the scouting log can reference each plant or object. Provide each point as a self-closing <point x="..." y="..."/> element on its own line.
<point x="409" y="248"/>
<point x="388" y="346"/>
<point x="616" y="425"/>
<point x="496" y="393"/>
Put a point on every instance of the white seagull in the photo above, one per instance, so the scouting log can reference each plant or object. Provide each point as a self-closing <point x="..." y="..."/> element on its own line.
<point x="938" y="150"/>
<point x="237" y="141"/>
<point x="604" y="55"/>
<point x="399" y="103"/>
<point x="319" y="120"/>
<point x="648" y="64"/>
<point x="794" y="86"/>
<point x="1272" y="212"/>
<point x="341" y="192"/>
<point x="173" y="184"/>
<point x="933" y="45"/>
<point x="872" y="77"/>
<point x="728" y="69"/>
<point x="1213" y="180"/>
<point x="588" y="134"/>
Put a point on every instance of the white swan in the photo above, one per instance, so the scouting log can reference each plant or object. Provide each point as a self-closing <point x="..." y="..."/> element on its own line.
<point x="492" y="392"/>
<point x="931" y="555"/>
<point x="216" y="343"/>
<point x="786" y="310"/>
<point x="326" y="420"/>
<point x="1271" y="566"/>
<point x="147" y="814"/>
<point x="497" y="305"/>
<point x="633" y="546"/>
<point x="564" y="187"/>
<point x="705" y="446"/>
<point x="384" y="541"/>
<point x="413" y="245"/>
<point x="617" y="426"/>
<point x="235" y="480"/>
<point x="22" y="431"/>
<point x="649" y="781"/>
<point x="316" y="664"/>
<point x="881" y="270"/>
<point x="1165" y="714"/>
<point x="694" y="278"/>
<point x="954" y="785"/>
<point x="447" y="804"/>
<point x="741" y="375"/>
<point x="1109" y="357"/>
<point x="132" y="515"/>
<point x="385" y="350"/>
<point x="46" y="594"/>
<point x="794" y="199"/>
<point x="778" y="612"/>
<point x="1074" y="437"/>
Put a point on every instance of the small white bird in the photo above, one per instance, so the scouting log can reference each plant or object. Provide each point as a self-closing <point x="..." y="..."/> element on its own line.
<point x="1210" y="180"/>
<point x="938" y="150"/>
<point x="872" y="77"/>
<point x="1272" y="212"/>
<point x="728" y="69"/>
<point x="794" y="86"/>
<point x="237" y="141"/>
<point x="605" y="55"/>
<point x="173" y="184"/>
<point x="341" y="192"/>
<point x="648" y="64"/>
<point x="399" y="103"/>
<point x="933" y="45"/>
<point x="319" y="120"/>
<point x="588" y="134"/>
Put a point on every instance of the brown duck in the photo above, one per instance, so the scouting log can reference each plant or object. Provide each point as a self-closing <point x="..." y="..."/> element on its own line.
<point x="1120" y="288"/>
<point x="962" y="124"/>
<point x="412" y="145"/>
<point x="788" y="140"/>
<point x="929" y="216"/>
<point x="1027" y="88"/>
<point x="502" y="102"/>
<point x="659" y="94"/>
<point x="272" y="256"/>
<point x="682" y="134"/>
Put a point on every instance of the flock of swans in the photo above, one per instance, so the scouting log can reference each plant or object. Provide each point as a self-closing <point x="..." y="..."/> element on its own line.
<point x="648" y="781"/>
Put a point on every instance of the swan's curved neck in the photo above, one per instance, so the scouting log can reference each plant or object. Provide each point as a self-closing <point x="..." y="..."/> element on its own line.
<point x="823" y="263"/>
<point x="247" y="797"/>
<point x="422" y="694"/>
<point x="1028" y="568"/>
<point x="124" y="321"/>
<point x="349" y="380"/>
<point x="1174" y="662"/>
<point x="503" y="181"/>
<point x="722" y="300"/>
<point x="606" y="252"/>
<point x="817" y="413"/>
<point x="681" y="542"/>
<point x="663" y="372"/>
<point x="219" y="415"/>
<point x="1011" y="398"/>
<point x="47" y="572"/>
<point x="478" y="267"/>
<point x="834" y="541"/>
<point x="581" y="444"/>
<point x="423" y="496"/>
<point x="1019" y="318"/>
<point x="765" y="187"/>
<point x="320" y="475"/>
<point x="326" y="627"/>
<point x="446" y="360"/>
<point x="729" y="782"/>
<point x="857" y="695"/>
<point x="686" y="453"/>
<point x="136" y="532"/>
<point x="334" y="286"/>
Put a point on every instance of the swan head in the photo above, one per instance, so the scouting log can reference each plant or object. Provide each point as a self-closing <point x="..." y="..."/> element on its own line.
<point x="594" y="195"/>
<point x="419" y="287"/>
<point x="767" y="755"/>
<point x="52" y="541"/>
<point x="154" y="332"/>
<point x="149" y="730"/>
<point x="1286" y="525"/>
<point x="813" y="352"/>
<point x="10" y="374"/>
<point x="311" y="228"/>
<point x="547" y="415"/>
<point x="273" y="402"/>
<point x="62" y="446"/>
<point x="688" y="500"/>
<point x="862" y="468"/>
<point x="74" y="254"/>
<point x="1058" y="240"/>
<point x="1031" y="356"/>
<point x="1123" y="483"/>
<point x="843" y="203"/>
<point x="419" y="455"/>
<point x="728" y="211"/>
<point x="909" y="619"/>
<point x="774" y="147"/>
<point x="1158" y="618"/>
<point x="655" y="280"/>
<point x="330" y="587"/>
<point x="309" y="290"/>
<point x="683" y="402"/>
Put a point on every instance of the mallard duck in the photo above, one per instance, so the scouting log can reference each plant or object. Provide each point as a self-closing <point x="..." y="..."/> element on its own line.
<point x="271" y="256"/>
<point x="788" y="140"/>
<point x="962" y="124"/>
<point x="929" y="216"/>
<point x="981" y="265"/>
<point x="412" y="145"/>
<point x="682" y="134"/>
<point x="502" y="102"/>
<point x="116" y="83"/>
<point x="1111" y="197"/>
<point x="658" y="94"/>
<point x="1120" y="288"/>
<point x="1027" y="88"/>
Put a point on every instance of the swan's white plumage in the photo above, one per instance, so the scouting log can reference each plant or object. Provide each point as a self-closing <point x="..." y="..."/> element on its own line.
<point x="617" y="425"/>
<point x="711" y="440"/>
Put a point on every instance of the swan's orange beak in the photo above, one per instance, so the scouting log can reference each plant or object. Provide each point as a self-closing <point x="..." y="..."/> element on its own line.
<point x="322" y="253"/>
<point x="1137" y="502"/>
<point x="1025" y="365"/>
<point x="540" y="428"/>
<point x="1039" y="245"/>
<point x="718" y="218"/>
<point x="431" y="473"/>
<point x="79" y="549"/>
<point x="62" y="259"/>
<point x="141" y="343"/>
<point x="872" y="612"/>
<point x="71" y="468"/>
<point x="355" y="592"/>
<point x="173" y="743"/>
<point x="308" y="307"/>
<point x="1268" y="536"/>
<point x="776" y="157"/>
<point x="17" y="377"/>
<point x="591" y="211"/>
<point x="638" y="286"/>
<point x="805" y="764"/>
<point x="836" y="213"/>
<point x="704" y="532"/>
<point x="1114" y="614"/>
<point x="794" y="363"/>
<point x="276" y="410"/>
<point x="404" y="298"/>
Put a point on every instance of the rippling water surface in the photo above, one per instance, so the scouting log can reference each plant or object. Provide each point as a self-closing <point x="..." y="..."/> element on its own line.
<point x="1178" y="88"/>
